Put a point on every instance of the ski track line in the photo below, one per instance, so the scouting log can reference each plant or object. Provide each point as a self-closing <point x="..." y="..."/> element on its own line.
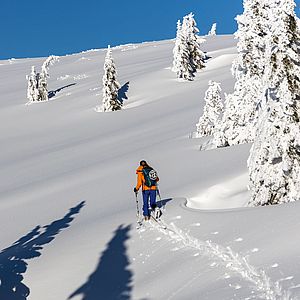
<point x="230" y="260"/>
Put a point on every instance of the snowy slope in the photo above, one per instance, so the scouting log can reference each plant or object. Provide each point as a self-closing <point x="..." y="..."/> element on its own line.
<point x="58" y="154"/>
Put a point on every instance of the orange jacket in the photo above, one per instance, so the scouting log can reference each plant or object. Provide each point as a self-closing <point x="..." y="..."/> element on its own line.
<point x="141" y="180"/>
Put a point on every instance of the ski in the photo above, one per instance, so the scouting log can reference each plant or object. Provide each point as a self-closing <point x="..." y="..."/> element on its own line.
<point x="158" y="222"/>
<point x="161" y="224"/>
<point x="139" y="224"/>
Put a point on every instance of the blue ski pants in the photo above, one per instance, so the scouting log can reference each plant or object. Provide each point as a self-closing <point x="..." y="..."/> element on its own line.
<point x="148" y="195"/>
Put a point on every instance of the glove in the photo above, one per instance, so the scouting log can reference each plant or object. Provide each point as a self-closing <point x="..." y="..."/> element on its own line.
<point x="135" y="190"/>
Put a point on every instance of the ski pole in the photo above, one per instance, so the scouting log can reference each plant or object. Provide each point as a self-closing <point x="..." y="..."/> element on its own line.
<point x="158" y="194"/>
<point x="137" y="207"/>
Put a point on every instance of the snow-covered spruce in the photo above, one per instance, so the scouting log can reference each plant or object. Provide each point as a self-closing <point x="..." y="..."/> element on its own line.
<point x="37" y="89"/>
<point x="181" y="61"/>
<point x="42" y="86"/>
<point x="44" y="75"/>
<point x="47" y="63"/>
<point x="274" y="162"/>
<point x="212" y="110"/>
<point x="177" y="49"/>
<point x="110" y="85"/>
<point x="213" y="30"/>
<point x="239" y="119"/>
<point x="32" y="86"/>
<point x="190" y="30"/>
<point x="187" y="55"/>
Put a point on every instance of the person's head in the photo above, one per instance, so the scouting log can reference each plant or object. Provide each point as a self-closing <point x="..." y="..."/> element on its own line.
<point x="143" y="163"/>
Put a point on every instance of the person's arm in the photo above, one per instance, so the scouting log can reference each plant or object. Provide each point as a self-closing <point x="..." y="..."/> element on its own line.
<point x="139" y="180"/>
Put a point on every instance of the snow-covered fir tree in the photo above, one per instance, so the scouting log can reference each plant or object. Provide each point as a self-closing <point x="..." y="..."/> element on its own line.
<point x="190" y="30"/>
<point x="44" y="75"/>
<point x="213" y="30"/>
<point x="239" y="119"/>
<point x="212" y="110"/>
<point x="110" y="85"/>
<point x="219" y="139"/>
<point x="47" y="63"/>
<point x="42" y="87"/>
<point x="274" y="162"/>
<point x="37" y="82"/>
<point x="181" y="56"/>
<point x="177" y="49"/>
<point x="32" y="86"/>
<point x="187" y="55"/>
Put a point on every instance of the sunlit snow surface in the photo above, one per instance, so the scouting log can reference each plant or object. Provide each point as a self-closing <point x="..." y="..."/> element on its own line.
<point x="71" y="169"/>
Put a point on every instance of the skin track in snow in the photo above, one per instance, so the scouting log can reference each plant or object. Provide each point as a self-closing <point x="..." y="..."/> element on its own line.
<point x="234" y="262"/>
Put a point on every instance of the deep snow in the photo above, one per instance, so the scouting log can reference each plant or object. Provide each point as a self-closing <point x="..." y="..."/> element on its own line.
<point x="56" y="155"/>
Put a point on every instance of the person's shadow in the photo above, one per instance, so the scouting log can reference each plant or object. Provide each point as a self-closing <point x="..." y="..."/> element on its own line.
<point x="112" y="279"/>
<point x="13" y="259"/>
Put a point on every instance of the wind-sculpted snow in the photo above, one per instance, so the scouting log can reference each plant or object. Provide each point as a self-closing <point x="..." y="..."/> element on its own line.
<point x="232" y="261"/>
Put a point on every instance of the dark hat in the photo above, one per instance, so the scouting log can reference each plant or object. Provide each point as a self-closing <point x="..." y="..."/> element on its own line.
<point x="143" y="163"/>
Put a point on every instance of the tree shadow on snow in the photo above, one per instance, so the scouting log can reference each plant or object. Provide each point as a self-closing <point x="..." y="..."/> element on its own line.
<point x="13" y="259"/>
<point x="112" y="279"/>
<point x="207" y="57"/>
<point x="51" y="94"/>
<point x="122" y="92"/>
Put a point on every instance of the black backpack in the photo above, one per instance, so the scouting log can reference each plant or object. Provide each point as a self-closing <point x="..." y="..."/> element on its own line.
<point x="150" y="176"/>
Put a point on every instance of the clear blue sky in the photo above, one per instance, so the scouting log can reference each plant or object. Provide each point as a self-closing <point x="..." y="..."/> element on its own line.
<point x="30" y="28"/>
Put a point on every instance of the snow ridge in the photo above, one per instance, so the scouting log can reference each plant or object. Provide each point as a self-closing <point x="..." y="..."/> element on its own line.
<point x="231" y="260"/>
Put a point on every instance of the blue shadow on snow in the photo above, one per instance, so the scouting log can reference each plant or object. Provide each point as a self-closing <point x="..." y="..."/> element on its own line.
<point x="162" y="203"/>
<point x="112" y="280"/>
<point x="122" y="92"/>
<point x="13" y="259"/>
<point x="51" y="94"/>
